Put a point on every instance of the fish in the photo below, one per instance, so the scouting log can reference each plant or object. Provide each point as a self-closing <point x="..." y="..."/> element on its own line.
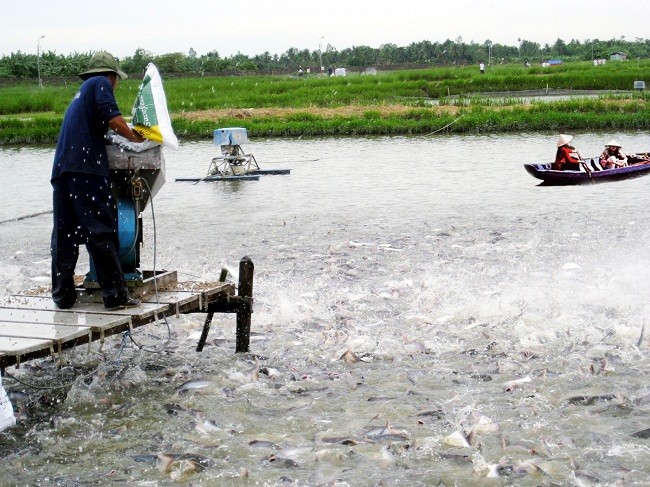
<point x="189" y="462"/>
<point x="387" y="455"/>
<point x="645" y="434"/>
<point x="173" y="409"/>
<point x="340" y="440"/>
<point x="18" y="397"/>
<point x="359" y="244"/>
<point x="639" y="342"/>
<point x="349" y="357"/>
<point x="431" y="413"/>
<point x="381" y="398"/>
<point x="271" y="372"/>
<point x="300" y="407"/>
<point x="282" y="461"/>
<point x="263" y="444"/>
<point x="456" y="456"/>
<point x="145" y="458"/>
<point x="192" y="385"/>
<point x="457" y="438"/>
<point x="207" y="426"/>
<point x="497" y="470"/>
<point x="588" y="400"/>
<point x="502" y="469"/>
<point x="388" y="433"/>
<point x="511" y="385"/>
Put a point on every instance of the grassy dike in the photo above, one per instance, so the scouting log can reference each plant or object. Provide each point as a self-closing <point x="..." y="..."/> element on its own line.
<point x="449" y="100"/>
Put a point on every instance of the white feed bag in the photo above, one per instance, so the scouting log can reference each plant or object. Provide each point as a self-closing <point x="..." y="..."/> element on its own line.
<point x="7" y="418"/>
<point x="150" y="114"/>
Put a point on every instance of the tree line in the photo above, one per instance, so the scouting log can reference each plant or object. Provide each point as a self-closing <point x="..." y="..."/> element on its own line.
<point x="388" y="56"/>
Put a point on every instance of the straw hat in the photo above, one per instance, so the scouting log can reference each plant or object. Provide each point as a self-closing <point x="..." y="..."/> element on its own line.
<point x="612" y="143"/>
<point x="564" y="139"/>
<point x="102" y="62"/>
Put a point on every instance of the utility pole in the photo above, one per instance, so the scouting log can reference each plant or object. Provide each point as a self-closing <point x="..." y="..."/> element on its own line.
<point x="38" y="61"/>
<point x="489" y="53"/>
<point x="320" y="53"/>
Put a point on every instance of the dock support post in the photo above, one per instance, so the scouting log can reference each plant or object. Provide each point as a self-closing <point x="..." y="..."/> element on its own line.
<point x="204" y="333"/>
<point x="208" y="318"/>
<point x="245" y="293"/>
<point x="242" y="304"/>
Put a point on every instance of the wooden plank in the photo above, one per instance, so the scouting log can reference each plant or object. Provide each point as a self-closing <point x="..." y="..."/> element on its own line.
<point x="207" y="292"/>
<point x="179" y="301"/>
<point x="139" y="315"/>
<point x="21" y="346"/>
<point x="217" y="292"/>
<point x="33" y="327"/>
<point x="97" y="322"/>
<point x="172" y="297"/>
<point x="163" y="279"/>
<point x="61" y="333"/>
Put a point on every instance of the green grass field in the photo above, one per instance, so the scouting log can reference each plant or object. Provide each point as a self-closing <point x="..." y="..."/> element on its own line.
<point x="396" y="102"/>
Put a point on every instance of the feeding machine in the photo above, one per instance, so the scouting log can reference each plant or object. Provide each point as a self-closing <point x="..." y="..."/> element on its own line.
<point x="136" y="177"/>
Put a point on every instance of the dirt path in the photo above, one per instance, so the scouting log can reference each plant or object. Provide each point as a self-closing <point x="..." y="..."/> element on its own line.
<point x="347" y="111"/>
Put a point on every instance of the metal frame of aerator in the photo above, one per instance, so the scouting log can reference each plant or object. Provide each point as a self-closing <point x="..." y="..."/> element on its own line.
<point x="233" y="162"/>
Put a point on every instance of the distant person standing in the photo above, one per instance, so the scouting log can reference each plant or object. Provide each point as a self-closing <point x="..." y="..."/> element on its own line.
<point x="85" y="210"/>
<point x="481" y="67"/>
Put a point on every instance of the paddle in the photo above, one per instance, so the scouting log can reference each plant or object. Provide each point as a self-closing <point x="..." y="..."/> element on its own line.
<point x="586" y="167"/>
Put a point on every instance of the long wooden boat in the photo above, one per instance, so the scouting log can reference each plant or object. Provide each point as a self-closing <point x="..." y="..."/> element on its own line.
<point x="638" y="165"/>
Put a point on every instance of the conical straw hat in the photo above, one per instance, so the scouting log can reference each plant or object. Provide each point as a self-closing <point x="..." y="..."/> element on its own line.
<point x="564" y="139"/>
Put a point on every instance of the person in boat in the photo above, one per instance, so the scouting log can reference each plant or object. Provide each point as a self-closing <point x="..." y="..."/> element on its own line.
<point x="567" y="158"/>
<point x="85" y="210"/>
<point x="613" y="156"/>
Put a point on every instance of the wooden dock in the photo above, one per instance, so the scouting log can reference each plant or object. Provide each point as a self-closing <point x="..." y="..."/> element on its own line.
<point x="31" y="326"/>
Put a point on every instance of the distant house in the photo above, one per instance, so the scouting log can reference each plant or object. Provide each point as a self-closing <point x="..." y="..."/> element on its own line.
<point x="554" y="62"/>
<point x="617" y="56"/>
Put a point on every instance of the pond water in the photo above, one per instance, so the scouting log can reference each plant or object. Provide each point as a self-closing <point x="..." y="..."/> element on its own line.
<point x="425" y="314"/>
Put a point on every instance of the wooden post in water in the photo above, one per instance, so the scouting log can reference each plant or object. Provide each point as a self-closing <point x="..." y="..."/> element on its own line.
<point x="208" y="318"/>
<point x="245" y="293"/>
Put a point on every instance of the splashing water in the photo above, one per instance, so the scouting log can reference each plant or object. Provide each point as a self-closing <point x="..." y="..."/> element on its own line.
<point x="424" y="313"/>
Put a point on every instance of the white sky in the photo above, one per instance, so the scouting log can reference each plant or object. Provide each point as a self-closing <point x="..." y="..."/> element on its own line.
<point x="255" y="26"/>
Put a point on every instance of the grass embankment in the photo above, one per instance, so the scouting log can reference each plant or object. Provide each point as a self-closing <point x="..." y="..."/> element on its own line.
<point x="399" y="102"/>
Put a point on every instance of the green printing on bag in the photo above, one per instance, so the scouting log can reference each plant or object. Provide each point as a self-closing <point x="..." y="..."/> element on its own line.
<point x="145" y="108"/>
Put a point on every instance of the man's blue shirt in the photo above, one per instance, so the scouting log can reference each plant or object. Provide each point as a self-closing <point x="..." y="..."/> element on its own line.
<point x="81" y="147"/>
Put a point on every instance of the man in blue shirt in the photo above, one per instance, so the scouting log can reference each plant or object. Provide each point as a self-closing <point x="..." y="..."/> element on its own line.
<point x="85" y="209"/>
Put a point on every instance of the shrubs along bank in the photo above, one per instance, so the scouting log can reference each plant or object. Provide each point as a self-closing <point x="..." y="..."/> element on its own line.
<point x="386" y="57"/>
<point x="400" y="102"/>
